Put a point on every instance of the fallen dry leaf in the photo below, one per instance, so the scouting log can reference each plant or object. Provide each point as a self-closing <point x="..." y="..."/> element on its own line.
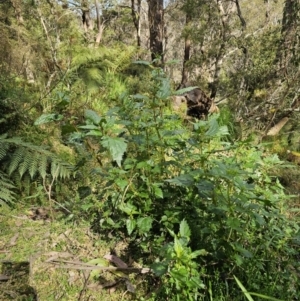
<point x="13" y="240"/>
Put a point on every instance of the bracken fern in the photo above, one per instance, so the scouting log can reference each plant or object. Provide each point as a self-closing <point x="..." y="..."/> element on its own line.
<point x="19" y="158"/>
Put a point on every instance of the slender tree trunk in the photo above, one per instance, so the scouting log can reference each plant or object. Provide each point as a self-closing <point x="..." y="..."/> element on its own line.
<point x="100" y="26"/>
<point x="187" y="54"/>
<point x="136" y="13"/>
<point x="289" y="46"/>
<point x="156" y="28"/>
<point x="240" y="15"/>
<point x="86" y="18"/>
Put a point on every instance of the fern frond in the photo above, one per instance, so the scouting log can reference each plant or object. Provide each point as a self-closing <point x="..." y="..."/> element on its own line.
<point x="22" y="161"/>
<point x="93" y="62"/>
<point x="16" y="160"/>
<point x="33" y="168"/>
<point x="33" y="159"/>
<point x="6" y="189"/>
<point x="26" y="163"/>
<point x="3" y="147"/>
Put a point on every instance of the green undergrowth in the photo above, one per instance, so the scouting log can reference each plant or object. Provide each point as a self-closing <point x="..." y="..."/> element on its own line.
<point x="199" y="212"/>
<point x="195" y="206"/>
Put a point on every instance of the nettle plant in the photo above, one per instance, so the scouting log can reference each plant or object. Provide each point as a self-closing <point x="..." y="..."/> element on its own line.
<point x="197" y="208"/>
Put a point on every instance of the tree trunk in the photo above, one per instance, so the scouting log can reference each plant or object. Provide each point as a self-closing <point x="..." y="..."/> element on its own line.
<point x="187" y="50"/>
<point x="136" y="13"/>
<point x="156" y="28"/>
<point x="86" y="18"/>
<point x="289" y="46"/>
<point x="100" y="26"/>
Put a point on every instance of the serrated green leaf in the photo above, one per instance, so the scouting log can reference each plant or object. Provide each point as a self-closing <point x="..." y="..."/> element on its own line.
<point x="130" y="225"/>
<point x="121" y="183"/>
<point x="180" y="274"/>
<point x="178" y="248"/>
<point x="184" y="229"/>
<point x="165" y="89"/>
<point x="92" y="116"/>
<point x="128" y="208"/>
<point x="233" y="223"/>
<point x="116" y="146"/>
<point x="213" y="128"/>
<point x="144" y="224"/>
<point x="158" y="192"/>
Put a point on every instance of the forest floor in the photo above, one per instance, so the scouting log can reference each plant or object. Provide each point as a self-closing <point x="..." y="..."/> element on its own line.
<point x="37" y="254"/>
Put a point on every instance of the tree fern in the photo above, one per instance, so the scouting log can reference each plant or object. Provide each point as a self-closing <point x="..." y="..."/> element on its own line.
<point x="19" y="157"/>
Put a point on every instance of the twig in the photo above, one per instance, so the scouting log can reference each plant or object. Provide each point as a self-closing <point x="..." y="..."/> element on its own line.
<point x="84" y="287"/>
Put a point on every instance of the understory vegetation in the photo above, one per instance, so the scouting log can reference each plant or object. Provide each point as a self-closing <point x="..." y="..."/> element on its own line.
<point x="109" y="193"/>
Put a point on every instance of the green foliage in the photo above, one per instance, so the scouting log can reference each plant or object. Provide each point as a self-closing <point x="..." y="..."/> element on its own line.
<point x="7" y="195"/>
<point x="197" y="206"/>
<point x="100" y="67"/>
<point x="21" y="158"/>
<point x="179" y="271"/>
<point x="219" y="196"/>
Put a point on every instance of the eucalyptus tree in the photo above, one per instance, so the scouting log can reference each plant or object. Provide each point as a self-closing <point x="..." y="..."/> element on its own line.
<point x="156" y="29"/>
<point x="289" y="48"/>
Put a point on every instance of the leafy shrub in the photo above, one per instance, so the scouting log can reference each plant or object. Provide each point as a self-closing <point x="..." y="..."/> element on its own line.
<point x="165" y="178"/>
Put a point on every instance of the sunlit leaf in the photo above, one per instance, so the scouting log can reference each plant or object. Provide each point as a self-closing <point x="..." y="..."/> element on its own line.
<point x="197" y="253"/>
<point x="116" y="146"/>
<point x="158" y="192"/>
<point x="130" y="225"/>
<point x="101" y="262"/>
<point x="184" y="229"/>
<point x="144" y="224"/>
<point x="178" y="248"/>
<point x="243" y="289"/>
<point x="185" y="90"/>
<point x="45" y="118"/>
